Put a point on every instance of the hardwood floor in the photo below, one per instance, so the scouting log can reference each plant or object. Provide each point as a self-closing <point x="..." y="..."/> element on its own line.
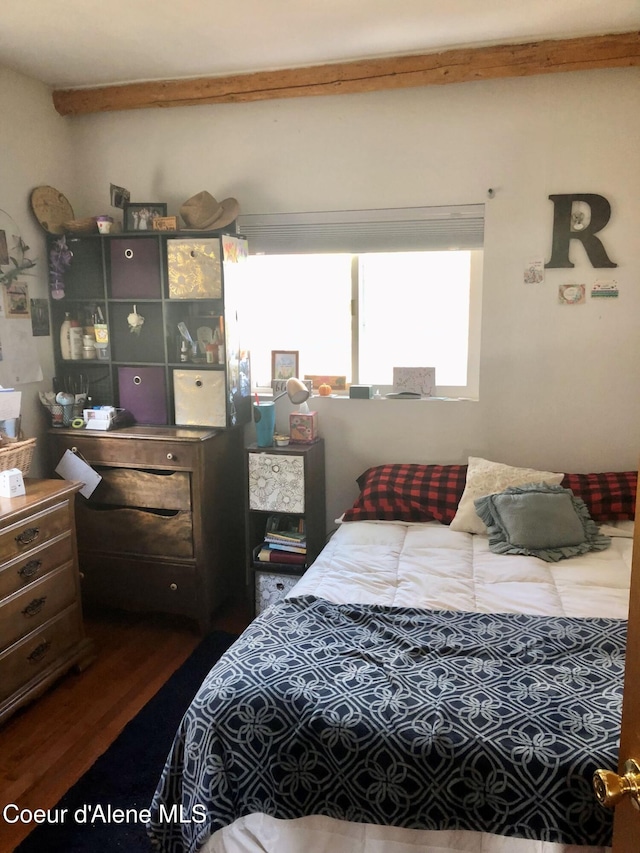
<point x="47" y="746"/>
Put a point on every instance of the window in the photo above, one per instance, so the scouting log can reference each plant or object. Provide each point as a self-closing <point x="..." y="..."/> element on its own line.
<point x="360" y="313"/>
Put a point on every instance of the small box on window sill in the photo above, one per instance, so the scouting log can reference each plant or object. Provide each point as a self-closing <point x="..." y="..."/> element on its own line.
<point x="303" y="427"/>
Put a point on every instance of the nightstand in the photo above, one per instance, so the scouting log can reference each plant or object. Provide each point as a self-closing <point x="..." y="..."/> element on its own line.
<point x="285" y="498"/>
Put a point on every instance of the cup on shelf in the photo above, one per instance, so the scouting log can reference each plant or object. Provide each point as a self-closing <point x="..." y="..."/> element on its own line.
<point x="264" y="416"/>
<point x="104" y="224"/>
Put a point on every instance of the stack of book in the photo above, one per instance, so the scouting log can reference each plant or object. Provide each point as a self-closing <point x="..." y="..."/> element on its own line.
<point x="284" y="543"/>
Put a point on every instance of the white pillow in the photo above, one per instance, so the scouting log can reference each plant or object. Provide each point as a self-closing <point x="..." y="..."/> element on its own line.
<point x="489" y="478"/>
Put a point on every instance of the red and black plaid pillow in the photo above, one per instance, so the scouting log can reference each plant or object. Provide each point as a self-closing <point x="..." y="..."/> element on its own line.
<point x="409" y="492"/>
<point x="610" y="496"/>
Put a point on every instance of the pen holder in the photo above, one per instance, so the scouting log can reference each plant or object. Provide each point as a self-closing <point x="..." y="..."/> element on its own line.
<point x="264" y="416"/>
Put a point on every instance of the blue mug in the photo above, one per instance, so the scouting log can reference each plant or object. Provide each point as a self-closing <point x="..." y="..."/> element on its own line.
<point x="264" y="415"/>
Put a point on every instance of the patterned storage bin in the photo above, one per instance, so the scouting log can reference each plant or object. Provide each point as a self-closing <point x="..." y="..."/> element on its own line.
<point x="271" y="588"/>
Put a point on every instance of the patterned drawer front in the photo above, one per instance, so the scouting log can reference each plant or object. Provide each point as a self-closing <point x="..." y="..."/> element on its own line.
<point x="23" y="661"/>
<point x="120" y="530"/>
<point x="194" y="269"/>
<point x="24" y="612"/>
<point x="200" y="398"/>
<point x="27" y="568"/>
<point x="27" y="535"/>
<point x="135" y="268"/>
<point x="272" y="588"/>
<point x="276" y="482"/>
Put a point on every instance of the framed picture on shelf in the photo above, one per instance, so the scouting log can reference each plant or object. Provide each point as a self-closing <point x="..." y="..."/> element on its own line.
<point x="139" y="216"/>
<point x="284" y="364"/>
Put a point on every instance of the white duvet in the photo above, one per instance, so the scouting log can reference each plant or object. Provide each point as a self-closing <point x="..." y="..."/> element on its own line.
<point x="431" y="566"/>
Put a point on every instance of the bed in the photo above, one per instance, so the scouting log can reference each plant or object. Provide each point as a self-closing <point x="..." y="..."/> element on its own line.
<point x="445" y="678"/>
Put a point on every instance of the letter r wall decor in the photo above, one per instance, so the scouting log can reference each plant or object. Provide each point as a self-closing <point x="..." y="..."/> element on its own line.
<point x="567" y="226"/>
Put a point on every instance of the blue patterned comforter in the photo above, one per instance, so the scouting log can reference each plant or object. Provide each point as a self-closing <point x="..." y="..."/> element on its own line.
<point x="403" y="717"/>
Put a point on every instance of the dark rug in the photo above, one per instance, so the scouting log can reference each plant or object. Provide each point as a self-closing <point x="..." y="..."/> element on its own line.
<point x="126" y="775"/>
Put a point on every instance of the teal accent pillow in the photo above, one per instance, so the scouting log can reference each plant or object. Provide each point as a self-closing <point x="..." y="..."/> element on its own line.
<point x="539" y="520"/>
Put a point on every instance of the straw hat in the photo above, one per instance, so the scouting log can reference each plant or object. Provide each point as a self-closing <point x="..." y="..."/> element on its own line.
<point x="51" y="209"/>
<point x="202" y="212"/>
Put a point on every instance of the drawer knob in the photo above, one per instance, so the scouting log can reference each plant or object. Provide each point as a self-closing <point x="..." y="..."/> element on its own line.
<point x="128" y="253"/>
<point x="34" y="607"/>
<point x="28" y="536"/>
<point x="170" y="456"/>
<point x="39" y="652"/>
<point x="173" y="587"/>
<point x="29" y="569"/>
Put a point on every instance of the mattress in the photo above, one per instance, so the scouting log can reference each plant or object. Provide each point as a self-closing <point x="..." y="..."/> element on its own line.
<point x="428" y="566"/>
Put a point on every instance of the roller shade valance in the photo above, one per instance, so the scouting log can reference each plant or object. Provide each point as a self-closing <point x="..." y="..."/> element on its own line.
<point x="404" y="229"/>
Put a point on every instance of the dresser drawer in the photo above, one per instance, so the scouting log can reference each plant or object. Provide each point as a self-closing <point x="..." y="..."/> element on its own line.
<point x="25" y="660"/>
<point x="27" y="568"/>
<point x="137" y="584"/>
<point x="124" y="530"/>
<point x="126" y="451"/>
<point x="25" y="611"/>
<point x="28" y="534"/>
<point x="135" y="488"/>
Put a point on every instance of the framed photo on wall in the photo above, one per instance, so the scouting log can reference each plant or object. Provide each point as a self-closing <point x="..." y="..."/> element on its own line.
<point x="140" y="216"/>
<point x="284" y="364"/>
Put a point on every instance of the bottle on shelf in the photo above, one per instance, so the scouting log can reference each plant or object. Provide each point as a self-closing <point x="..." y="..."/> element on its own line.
<point x="65" y="340"/>
<point x="75" y="340"/>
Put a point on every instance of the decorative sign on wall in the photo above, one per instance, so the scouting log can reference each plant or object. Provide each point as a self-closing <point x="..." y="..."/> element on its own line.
<point x="579" y="216"/>
<point x="571" y="294"/>
<point x="605" y="290"/>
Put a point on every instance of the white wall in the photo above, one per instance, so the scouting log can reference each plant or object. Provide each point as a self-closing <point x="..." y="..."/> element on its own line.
<point x="36" y="150"/>
<point x="558" y="384"/>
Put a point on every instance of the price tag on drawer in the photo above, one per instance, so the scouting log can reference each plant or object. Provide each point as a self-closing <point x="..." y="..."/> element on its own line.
<point x="72" y="467"/>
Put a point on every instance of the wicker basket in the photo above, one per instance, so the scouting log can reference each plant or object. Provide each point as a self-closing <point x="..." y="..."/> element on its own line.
<point x="17" y="454"/>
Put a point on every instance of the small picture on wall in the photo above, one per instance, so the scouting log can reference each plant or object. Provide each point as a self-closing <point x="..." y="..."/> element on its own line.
<point x="40" y="318"/>
<point x="119" y="196"/>
<point x="16" y="301"/>
<point x="140" y="216"/>
<point x="571" y="294"/>
<point x="605" y="290"/>
<point x="534" y="271"/>
<point x="284" y="364"/>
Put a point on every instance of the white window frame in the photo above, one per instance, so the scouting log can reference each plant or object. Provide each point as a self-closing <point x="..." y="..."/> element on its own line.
<point x="382" y="230"/>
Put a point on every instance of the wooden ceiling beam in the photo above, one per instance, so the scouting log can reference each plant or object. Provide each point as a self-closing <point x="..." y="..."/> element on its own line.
<point x="461" y="65"/>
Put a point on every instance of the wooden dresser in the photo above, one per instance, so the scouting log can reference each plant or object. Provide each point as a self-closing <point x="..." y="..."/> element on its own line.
<point x="164" y="530"/>
<point x="41" y="629"/>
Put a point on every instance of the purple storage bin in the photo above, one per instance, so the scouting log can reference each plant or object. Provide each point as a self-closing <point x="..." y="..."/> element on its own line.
<point x="135" y="268"/>
<point x="143" y="393"/>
